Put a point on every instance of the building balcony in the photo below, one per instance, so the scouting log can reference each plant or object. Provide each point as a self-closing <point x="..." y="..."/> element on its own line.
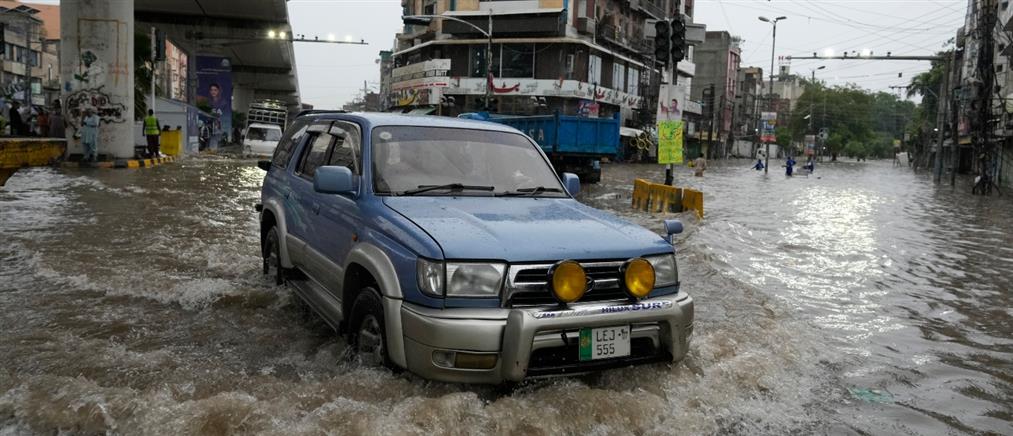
<point x="617" y="37"/>
<point x="534" y="22"/>
<point x="650" y="7"/>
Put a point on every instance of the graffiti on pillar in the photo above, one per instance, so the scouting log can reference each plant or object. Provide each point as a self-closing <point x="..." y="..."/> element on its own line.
<point x="79" y="102"/>
<point x="90" y="72"/>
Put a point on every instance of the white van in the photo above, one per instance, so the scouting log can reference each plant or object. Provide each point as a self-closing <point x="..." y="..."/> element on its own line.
<point x="261" y="139"/>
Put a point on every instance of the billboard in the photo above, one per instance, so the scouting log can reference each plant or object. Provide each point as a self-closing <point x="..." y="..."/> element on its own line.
<point x="214" y="91"/>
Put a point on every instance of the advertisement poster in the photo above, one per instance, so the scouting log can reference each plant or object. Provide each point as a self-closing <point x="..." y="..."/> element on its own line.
<point x="670" y="141"/>
<point x="587" y="108"/>
<point x="214" y="91"/>
<point x="671" y="101"/>
<point x="769" y="120"/>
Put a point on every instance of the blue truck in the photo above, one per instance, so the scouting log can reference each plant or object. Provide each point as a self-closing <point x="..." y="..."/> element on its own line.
<point x="574" y="144"/>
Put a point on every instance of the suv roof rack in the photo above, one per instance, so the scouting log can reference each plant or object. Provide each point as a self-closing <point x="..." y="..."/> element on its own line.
<point x="321" y="111"/>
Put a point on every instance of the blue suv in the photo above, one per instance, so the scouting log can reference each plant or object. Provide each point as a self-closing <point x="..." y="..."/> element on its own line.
<point x="451" y="248"/>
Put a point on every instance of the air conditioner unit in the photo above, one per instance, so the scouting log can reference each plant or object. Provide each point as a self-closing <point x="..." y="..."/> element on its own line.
<point x="586" y="25"/>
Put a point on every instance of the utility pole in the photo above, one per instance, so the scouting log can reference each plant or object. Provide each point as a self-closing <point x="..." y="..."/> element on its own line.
<point x="154" y="56"/>
<point x="944" y="100"/>
<point x="773" y="45"/>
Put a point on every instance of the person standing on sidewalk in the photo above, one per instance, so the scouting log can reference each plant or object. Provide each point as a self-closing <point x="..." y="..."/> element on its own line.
<point x="89" y="135"/>
<point x="151" y="133"/>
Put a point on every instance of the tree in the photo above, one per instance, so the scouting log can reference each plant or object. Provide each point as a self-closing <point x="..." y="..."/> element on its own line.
<point x="860" y="123"/>
<point x="143" y="72"/>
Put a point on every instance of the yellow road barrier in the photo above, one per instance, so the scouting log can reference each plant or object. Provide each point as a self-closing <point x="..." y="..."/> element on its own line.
<point x="28" y="152"/>
<point x="659" y="198"/>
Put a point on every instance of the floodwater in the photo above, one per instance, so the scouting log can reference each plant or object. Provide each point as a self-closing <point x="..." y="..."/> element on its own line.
<point x="863" y="301"/>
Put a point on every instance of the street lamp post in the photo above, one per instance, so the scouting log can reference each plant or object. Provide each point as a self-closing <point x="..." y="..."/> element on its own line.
<point x="424" y="20"/>
<point x="773" y="44"/>
<point x="812" y="106"/>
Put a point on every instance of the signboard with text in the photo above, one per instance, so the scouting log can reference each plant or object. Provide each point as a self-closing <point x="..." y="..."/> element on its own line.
<point x="768" y="123"/>
<point x="670" y="142"/>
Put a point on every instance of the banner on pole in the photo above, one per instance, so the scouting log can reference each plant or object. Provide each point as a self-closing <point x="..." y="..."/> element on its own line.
<point x="671" y="101"/>
<point x="670" y="142"/>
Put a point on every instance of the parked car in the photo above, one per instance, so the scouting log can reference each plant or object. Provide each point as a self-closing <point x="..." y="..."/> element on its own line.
<point x="261" y="139"/>
<point x="452" y="249"/>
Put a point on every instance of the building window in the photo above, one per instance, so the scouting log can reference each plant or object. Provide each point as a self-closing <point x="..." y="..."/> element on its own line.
<point x="477" y="60"/>
<point x="429" y="8"/>
<point x="518" y="60"/>
<point x="633" y="81"/>
<point x="594" y="69"/>
<point x="581" y="8"/>
<point x="618" y="74"/>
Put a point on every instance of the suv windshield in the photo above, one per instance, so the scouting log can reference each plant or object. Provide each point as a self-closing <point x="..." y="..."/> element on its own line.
<point x="440" y="161"/>
<point x="262" y="134"/>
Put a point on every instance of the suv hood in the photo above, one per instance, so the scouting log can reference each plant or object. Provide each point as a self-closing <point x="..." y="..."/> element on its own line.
<point x="525" y="229"/>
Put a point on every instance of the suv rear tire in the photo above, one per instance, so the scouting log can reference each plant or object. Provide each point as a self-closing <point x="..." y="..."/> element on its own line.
<point x="272" y="257"/>
<point x="367" y="333"/>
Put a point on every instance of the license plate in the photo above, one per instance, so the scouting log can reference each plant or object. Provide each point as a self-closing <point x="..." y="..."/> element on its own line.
<point x="604" y="343"/>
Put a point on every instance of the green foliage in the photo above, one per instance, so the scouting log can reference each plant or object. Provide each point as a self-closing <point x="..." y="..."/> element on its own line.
<point x="927" y="85"/>
<point x="860" y="123"/>
<point x="142" y="73"/>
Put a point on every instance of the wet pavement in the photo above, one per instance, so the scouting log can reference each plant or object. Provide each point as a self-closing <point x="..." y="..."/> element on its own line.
<point x="865" y="300"/>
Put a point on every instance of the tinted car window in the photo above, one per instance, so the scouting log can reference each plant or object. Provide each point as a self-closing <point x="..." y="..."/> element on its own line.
<point x="346" y="147"/>
<point x="406" y="158"/>
<point x="287" y="144"/>
<point x="316" y="153"/>
<point x="262" y="134"/>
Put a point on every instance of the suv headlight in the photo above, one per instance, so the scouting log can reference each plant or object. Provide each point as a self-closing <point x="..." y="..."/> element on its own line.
<point x="460" y="279"/>
<point x="474" y="279"/>
<point x="666" y="272"/>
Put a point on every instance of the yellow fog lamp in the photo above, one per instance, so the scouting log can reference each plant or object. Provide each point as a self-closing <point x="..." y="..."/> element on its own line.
<point x="638" y="277"/>
<point x="567" y="281"/>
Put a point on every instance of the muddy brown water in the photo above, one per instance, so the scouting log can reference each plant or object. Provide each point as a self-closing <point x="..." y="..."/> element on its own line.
<point x="862" y="301"/>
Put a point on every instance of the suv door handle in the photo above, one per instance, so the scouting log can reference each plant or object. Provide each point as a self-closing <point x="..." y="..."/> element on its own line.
<point x="316" y="208"/>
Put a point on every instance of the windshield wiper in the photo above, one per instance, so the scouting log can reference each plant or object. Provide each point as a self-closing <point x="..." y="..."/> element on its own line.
<point x="529" y="191"/>
<point x="453" y="187"/>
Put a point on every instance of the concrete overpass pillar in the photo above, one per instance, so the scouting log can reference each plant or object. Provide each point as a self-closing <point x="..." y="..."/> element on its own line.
<point x="97" y="71"/>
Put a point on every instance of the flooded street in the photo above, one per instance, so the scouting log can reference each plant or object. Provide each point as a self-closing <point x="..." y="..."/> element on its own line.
<point x="864" y="301"/>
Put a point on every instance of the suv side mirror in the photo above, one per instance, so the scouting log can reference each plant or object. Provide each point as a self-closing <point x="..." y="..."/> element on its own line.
<point x="672" y="227"/>
<point x="333" y="180"/>
<point x="572" y="183"/>
<point x="264" y="164"/>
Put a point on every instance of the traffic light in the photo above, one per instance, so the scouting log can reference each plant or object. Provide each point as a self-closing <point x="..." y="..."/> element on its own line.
<point x="662" y="41"/>
<point x="159" y="45"/>
<point x="678" y="45"/>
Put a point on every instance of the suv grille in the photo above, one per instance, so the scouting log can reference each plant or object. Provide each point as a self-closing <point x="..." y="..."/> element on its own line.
<point x="527" y="284"/>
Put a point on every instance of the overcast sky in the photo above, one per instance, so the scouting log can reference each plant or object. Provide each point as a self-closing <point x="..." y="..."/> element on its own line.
<point x="330" y="75"/>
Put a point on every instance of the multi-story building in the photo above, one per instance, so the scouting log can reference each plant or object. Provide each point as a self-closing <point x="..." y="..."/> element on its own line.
<point x="30" y="49"/>
<point x="386" y="62"/>
<point x="588" y="57"/>
<point x="746" y="116"/>
<point x="1004" y="110"/>
<point x="715" y="86"/>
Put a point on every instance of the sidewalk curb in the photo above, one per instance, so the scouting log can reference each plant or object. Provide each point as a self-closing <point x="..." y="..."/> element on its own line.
<point x="122" y="163"/>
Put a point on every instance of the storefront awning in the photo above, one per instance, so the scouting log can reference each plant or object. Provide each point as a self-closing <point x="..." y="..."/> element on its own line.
<point x="630" y="132"/>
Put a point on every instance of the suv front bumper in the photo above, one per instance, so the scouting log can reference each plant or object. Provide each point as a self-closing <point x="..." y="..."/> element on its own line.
<point x="531" y="342"/>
